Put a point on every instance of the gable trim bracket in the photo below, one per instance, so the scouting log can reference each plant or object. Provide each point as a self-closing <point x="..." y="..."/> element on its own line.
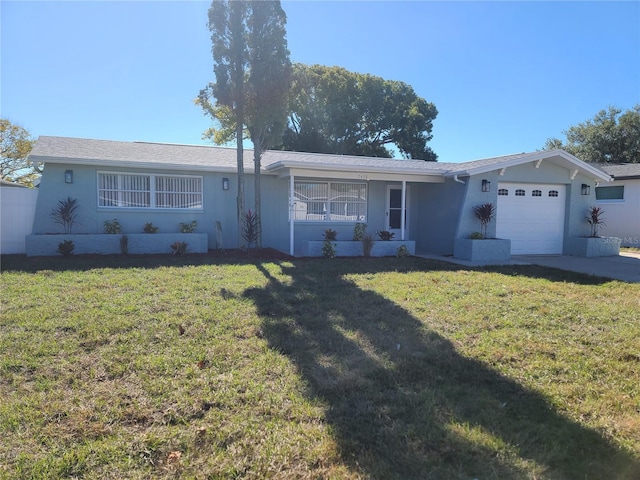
<point x="574" y="173"/>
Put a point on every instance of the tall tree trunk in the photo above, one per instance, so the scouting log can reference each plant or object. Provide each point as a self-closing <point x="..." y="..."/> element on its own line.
<point x="257" y="157"/>
<point x="236" y="17"/>
<point x="240" y="198"/>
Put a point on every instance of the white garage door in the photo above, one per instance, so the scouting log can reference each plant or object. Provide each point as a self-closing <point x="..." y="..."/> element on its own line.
<point x="532" y="216"/>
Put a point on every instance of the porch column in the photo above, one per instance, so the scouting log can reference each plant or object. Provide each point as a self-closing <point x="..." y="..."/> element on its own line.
<point x="291" y="214"/>
<point x="403" y="209"/>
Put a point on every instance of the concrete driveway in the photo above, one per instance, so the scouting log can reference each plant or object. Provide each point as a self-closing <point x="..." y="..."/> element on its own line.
<point x="625" y="267"/>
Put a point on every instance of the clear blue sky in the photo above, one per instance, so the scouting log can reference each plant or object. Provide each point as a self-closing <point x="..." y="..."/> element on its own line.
<point x="504" y="76"/>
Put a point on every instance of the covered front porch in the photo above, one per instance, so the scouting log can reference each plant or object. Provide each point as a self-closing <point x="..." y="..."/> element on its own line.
<point x="319" y="199"/>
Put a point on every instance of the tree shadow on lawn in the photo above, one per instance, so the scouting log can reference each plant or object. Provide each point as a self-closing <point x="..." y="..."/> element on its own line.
<point x="403" y="403"/>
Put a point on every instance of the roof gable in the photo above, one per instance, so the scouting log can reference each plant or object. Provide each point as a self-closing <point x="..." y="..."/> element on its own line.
<point x="558" y="157"/>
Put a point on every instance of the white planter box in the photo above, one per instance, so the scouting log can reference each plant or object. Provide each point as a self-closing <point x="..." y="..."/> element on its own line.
<point x="352" y="248"/>
<point x="486" y="251"/>
<point x="103" y="244"/>
<point x="595" y="246"/>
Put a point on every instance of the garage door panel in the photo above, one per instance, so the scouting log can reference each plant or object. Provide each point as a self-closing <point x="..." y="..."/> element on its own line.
<point x="533" y="219"/>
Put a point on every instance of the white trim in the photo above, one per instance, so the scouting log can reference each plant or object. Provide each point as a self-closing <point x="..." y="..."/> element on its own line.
<point x="405" y="207"/>
<point x="364" y="175"/>
<point x="291" y="215"/>
<point x="567" y="160"/>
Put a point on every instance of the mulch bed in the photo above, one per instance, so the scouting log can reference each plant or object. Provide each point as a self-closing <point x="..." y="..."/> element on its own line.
<point x="253" y="253"/>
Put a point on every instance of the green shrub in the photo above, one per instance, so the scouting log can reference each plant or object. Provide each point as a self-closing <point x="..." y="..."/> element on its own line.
<point x="66" y="248"/>
<point x="188" y="227"/>
<point x="150" y="228"/>
<point x="179" y="248"/>
<point x="359" y="231"/>
<point x="402" y="252"/>
<point x="385" y="235"/>
<point x="328" y="249"/>
<point x="112" y="227"/>
<point x="330" y="234"/>
<point x="476" y="236"/>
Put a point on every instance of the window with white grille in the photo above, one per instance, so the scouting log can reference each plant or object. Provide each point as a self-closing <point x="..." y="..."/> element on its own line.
<point x="536" y="193"/>
<point x="123" y="190"/>
<point x="503" y="191"/>
<point x="329" y="201"/>
<point x="553" y="193"/>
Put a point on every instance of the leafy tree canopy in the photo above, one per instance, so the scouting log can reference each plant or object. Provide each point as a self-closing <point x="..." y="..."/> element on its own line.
<point x="252" y="69"/>
<point x="611" y="136"/>
<point x="333" y="110"/>
<point x="15" y="145"/>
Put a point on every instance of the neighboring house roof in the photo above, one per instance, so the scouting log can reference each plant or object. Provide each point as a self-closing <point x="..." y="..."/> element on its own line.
<point x="621" y="171"/>
<point x="5" y="183"/>
<point x="208" y="158"/>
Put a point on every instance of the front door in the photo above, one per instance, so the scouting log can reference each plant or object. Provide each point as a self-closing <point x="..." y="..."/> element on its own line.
<point x="394" y="211"/>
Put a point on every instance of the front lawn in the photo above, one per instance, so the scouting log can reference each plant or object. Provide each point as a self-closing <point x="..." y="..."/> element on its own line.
<point x="202" y="367"/>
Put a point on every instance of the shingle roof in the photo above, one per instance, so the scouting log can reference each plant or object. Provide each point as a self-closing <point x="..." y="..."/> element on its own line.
<point x="621" y="170"/>
<point x="97" y="152"/>
<point x="210" y="158"/>
<point x="89" y="151"/>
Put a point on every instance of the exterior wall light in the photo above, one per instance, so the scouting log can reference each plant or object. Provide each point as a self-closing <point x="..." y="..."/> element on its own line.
<point x="225" y="184"/>
<point x="68" y="176"/>
<point x="486" y="186"/>
<point x="586" y="189"/>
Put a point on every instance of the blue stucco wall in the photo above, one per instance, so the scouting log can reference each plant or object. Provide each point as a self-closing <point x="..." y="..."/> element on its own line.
<point x="438" y="212"/>
<point x="437" y="216"/>
<point x="575" y="208"/>
<point x="219" y="205"/>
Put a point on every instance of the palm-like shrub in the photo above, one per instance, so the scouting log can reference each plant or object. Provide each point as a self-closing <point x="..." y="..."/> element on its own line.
<point x="65" y="213"/>
<point x="595" y="220"/>
<point x="250" y="228"/>
<point x="485" y="214"/>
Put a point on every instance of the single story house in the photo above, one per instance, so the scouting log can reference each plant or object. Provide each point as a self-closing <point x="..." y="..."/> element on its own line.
<point x="541" y="197"/>
<point x="620" y="200"/>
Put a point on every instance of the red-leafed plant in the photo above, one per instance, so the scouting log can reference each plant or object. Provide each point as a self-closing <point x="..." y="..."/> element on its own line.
<point x="595" y="220"/>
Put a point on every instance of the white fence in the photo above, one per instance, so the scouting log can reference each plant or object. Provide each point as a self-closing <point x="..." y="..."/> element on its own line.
<point x="17" y="209"/>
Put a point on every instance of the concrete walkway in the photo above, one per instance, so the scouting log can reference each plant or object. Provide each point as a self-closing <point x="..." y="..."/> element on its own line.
<point x="625" y="267"/>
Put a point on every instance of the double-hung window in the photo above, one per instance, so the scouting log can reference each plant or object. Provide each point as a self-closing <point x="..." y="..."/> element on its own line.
<point x="125" y="190"/>
<point x="329" y="201"/>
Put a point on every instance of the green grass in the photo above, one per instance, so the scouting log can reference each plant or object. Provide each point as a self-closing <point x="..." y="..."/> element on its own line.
<point x="197" y="367"/>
